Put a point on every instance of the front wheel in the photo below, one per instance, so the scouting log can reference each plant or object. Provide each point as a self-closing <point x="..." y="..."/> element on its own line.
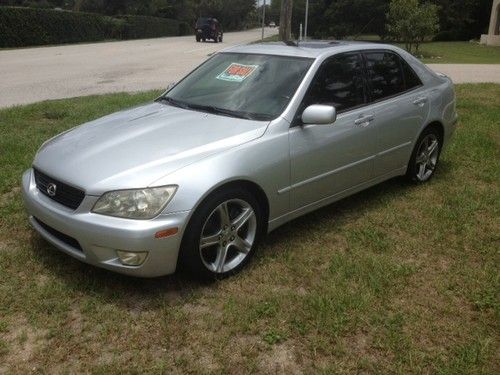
<point x="222" y="235"/>
<point x="425" y="156"/>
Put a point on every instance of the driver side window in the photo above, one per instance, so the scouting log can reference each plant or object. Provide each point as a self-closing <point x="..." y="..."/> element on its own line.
<point x="339" y="83"/>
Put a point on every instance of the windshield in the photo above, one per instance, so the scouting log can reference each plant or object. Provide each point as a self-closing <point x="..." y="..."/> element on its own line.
<point x="202" y="22"/>
<point x="249" y="86"/>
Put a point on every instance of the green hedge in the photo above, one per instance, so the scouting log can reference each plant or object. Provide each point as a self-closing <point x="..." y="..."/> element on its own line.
<point x="136" y="27"/>
<point x="21" y="27"/>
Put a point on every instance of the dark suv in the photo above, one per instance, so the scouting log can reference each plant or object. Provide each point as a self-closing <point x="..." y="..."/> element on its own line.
<point x="208" y="28"/>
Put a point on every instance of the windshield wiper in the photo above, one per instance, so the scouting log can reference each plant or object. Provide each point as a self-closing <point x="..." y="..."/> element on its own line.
<point x="214" y="110"/>
<point x="228" y="112"/>
<point x="175" y="103"/>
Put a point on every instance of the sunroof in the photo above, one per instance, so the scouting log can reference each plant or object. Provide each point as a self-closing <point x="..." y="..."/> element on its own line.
<point x="326" y="44"/>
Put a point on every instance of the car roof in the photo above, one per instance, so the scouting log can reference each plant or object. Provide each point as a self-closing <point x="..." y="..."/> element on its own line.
<point x="310" y="49"/>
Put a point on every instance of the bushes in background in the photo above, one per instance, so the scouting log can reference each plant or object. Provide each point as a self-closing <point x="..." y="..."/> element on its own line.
<point x="135" y="27"/>
<point x="21" y="27"/>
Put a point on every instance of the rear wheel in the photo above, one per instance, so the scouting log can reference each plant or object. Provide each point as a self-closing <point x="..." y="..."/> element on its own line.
<point x="425" y="156"/>
<point x="222" y="235"/>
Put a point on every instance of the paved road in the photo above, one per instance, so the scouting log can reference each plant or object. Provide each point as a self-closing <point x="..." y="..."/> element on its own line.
<point x="469" y="73"/>
<point x="34" y="74"/>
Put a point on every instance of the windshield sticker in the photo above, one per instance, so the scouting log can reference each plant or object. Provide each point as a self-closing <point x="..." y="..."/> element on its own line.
<point x="237" y="72"/>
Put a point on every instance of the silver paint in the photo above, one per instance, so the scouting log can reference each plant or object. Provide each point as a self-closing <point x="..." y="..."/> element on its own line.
<point x="299" y="168"/>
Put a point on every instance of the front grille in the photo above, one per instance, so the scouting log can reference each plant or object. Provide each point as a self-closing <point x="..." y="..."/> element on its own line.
<point x="70" y="241"/>
<point x="64" y="194"/>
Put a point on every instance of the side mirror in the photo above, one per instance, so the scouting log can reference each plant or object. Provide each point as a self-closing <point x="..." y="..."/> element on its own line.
<point x="319" y="114"/>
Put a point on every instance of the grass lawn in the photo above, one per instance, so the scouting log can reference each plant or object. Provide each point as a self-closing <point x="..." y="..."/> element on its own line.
<point x="443" y="52"/>
<point x="396" y="279"/>
<point x="459" y="53"/>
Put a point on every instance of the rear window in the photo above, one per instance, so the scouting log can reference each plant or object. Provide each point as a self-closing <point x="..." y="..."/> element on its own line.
<point x="202" y="22"/>
<point x="411" y="78"/>
<point x="385" y="75"/>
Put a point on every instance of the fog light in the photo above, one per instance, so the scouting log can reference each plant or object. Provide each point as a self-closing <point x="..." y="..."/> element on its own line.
<point x="130" y="258"/>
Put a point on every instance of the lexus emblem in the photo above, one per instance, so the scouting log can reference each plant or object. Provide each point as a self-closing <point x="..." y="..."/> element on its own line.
<point x="51" y="189"/>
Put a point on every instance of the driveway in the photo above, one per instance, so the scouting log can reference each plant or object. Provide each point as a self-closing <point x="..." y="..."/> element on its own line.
<point x="469" y="73"/>
<point x="35" y="74"/>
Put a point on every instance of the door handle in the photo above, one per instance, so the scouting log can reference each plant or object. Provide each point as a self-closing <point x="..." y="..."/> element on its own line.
<point x="364" y="120"/>
<point x="420" y="101"/>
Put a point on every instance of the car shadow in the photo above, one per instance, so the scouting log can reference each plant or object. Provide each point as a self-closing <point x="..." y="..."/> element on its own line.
<point x="181" y="287"/>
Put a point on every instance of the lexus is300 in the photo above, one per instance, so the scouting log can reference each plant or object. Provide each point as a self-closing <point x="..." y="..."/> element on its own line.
<point x="254" y="137"/>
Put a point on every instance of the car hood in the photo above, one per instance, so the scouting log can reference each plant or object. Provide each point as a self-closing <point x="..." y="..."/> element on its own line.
<point x="136" y="147"/>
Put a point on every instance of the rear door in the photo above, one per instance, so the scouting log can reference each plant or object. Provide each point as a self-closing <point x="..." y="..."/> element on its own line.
<point x="400" y="105"/>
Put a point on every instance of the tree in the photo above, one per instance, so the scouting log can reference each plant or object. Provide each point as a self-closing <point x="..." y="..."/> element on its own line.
<point x="411" y="22"/>
<point x="464" y="19"/>
<point x="286" y="20"/>
<point x="354" y="17"/>
<point x="337" y="18"/>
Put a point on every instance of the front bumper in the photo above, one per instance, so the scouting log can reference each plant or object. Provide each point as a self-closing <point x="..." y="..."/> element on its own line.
<point x="99" y="236"/>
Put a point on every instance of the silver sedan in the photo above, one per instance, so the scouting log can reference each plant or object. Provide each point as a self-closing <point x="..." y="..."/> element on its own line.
<point x="254" y="137"/>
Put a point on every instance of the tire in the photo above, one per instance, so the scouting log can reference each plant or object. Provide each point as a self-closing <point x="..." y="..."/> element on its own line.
<point x="425" y="156"/>
<point x="216" y="39"/>
<point x="222" y="235"/>
<point x="220" y="38"/>
<point x="204" y="40"/>
<point x="198" y="39"/>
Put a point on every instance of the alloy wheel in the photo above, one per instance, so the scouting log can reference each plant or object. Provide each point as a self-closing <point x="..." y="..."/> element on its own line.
<point x="427" y="157"/>
<point x="228" y="235"/>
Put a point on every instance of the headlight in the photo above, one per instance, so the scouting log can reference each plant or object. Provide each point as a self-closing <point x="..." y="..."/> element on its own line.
<point x="136" y="203"/>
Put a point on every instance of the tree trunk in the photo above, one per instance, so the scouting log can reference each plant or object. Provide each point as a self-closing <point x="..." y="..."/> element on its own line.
<point x="286" y="20"/>
<point x="77" y="5"/>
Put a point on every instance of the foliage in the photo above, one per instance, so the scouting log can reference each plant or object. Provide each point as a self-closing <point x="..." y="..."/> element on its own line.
<point x="353" y="17"/>
<point x="31" y="26"/>
<point x="35" y="26"/>
<point x="136" y="27"/>
<point x="236" y="15"/>
<point x="335" y="19"/>
<point x="463" y="20"/>
<point x="459" y="20"/>
<point x="411" y="22"/>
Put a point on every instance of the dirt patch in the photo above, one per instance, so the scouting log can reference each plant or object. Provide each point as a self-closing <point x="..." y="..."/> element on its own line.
<point x="8" y="196"/>
<point x="280" y="359"/>
<point x="23" y="342"/>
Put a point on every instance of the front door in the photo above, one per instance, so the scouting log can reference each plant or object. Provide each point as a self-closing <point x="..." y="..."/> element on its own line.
<point x="328" y="159"/>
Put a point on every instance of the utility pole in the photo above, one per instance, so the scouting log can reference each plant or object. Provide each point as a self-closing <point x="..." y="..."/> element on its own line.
<point x="305" y="23"/>
<point x="263" y="18"/>
<point x="286" y="20"/>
